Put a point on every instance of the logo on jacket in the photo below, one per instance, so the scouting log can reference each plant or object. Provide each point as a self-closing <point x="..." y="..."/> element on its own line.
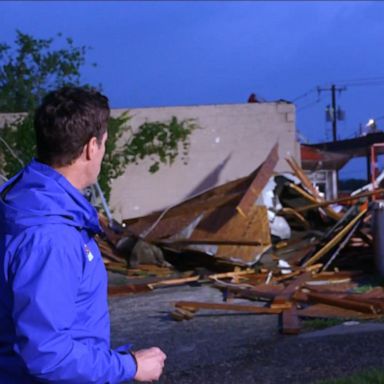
<point x="88" y="252"/>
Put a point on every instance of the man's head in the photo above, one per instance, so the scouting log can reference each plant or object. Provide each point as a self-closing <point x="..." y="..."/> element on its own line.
<point x="65" y="123"/>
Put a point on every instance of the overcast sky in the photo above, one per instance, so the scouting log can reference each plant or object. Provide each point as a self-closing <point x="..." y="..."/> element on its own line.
<point x="161" y="53"/>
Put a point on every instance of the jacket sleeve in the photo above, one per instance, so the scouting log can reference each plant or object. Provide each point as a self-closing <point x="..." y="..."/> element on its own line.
<point x="46" y="273"/>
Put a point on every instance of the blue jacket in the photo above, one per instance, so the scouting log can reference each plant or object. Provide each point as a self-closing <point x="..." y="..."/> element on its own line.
<point x="54" y="322"/>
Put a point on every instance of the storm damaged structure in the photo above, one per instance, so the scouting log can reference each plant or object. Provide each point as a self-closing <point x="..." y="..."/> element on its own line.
<point x="233" y="140"/>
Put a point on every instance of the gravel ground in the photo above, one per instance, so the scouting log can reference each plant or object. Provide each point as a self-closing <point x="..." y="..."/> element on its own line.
<point x="228" y="347"/>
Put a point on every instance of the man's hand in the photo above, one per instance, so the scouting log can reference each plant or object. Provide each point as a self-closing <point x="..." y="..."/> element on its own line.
<point x="150" y="364"/>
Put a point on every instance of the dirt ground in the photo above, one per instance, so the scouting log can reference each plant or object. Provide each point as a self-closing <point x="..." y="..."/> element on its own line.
<point x="227" y="347"/>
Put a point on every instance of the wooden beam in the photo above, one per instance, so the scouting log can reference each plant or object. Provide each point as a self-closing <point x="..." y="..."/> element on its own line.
<point x="170" y="282"/>
<point x="210" y="242"/>
<point x="330" y="212"/>
<point x="227" y="307"/>
<point x="289" y="321"/>
<point x="259" y="182"/>
<point x="340" y="200"/>
<point x="285" y="296"/>
<point x="343" y="303"/>
<point x="339" y="236"/>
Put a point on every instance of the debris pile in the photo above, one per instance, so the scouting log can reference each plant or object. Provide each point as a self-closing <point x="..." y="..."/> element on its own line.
<point x="269" y="238"/>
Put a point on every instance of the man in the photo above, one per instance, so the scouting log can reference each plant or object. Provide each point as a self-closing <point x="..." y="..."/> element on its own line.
<point x="54" y="322"/>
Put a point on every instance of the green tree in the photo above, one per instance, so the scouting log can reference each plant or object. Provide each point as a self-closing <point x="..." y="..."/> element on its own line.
<point x="34" y="68"/>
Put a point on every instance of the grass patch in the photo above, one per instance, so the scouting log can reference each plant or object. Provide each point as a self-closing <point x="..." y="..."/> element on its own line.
<point x="371" y="376"/>
<point x="363" y="288"/>
<point x="318" y="324"/>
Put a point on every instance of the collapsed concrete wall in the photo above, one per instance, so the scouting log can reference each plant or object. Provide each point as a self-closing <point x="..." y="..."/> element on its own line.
<point x="232" y="142"/>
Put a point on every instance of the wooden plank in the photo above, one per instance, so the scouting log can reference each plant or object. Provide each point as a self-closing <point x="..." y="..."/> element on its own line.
<point x="227" y="307"/>
<point x="228" y="193"/>
<point x="240" y="242"/>
<point x="127" y="289"/>
<point x="260" y="291"/>
<point x="225" y="275"/>
<point x="341" y="246"/>
<point x="259" y="182"/>
<point x="170" y="221"/>
<point x="237" y="237"/>
<point x="286" y="295"/>
<point x="339" y="200"/>
<point x="171" y="282"/>
<point x="287" y="276"/>
<point x="335" y="240"/>
<point x="254" y="227"/>
<point x="308" y="184"/>
<point x="241" y="254"/>
<point x="378" y="304"/>
<point x="303" y="177"/>
<point x="342" y="303"/>
<point x="290" y="212"/>
<point x="290" y="322"/>
<point x="330" y="311"/>
<point x="226" y="224"/>
<point x="331" y="213"/>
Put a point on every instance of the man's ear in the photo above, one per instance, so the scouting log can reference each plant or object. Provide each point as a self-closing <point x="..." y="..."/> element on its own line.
<point x="90" y="148"/>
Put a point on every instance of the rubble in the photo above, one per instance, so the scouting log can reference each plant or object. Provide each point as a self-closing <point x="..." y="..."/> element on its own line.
<point x="268" y="238"/>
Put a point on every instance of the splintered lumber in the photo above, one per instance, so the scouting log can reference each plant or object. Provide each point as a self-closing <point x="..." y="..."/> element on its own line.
<point x="171" y="282"/>
<point x="126" y="289"/>
<point x="227" y="307"/>
<point x="343" y="303"/>
<point x="339" y="236"/>
<point x="287" y="276"/>
<point x="237" y="237"/>
<point x="180" y="314"/>
<point x="224" y="275"/>
<point x="290" y="322"/>
<point x="283" y="300"/>
<point x="240" y="192"/>
<point x="341" y="246"/>
<point x="330" y="311"/>
<point x="302" y="176"/>
<point x="377" y="303"/>
<point x="259" y="291"/>
<point x="330" y="212"/>
<point x="295" y="256"/>
<point x="210" y="242"/>
<point x="261" y="179"/>
<point x="340" y="200"/>
<point x="296" y="215"/>
<point x="107" y="251"/>
<point x="308" y="184"/>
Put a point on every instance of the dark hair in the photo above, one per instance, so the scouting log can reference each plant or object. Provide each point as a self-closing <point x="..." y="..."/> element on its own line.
<point x="66" y="120"/>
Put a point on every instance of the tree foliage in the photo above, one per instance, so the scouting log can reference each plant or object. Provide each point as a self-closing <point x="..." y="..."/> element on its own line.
<point x="33" y="69"/>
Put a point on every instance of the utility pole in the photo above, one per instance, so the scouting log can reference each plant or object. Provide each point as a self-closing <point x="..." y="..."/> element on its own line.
<point x="335" y="114"/>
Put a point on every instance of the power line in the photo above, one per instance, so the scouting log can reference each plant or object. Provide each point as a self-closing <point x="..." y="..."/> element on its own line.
<point x="309" y="104"/>
<point x="304" y="94"/>
<point x="367" y="81"/>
